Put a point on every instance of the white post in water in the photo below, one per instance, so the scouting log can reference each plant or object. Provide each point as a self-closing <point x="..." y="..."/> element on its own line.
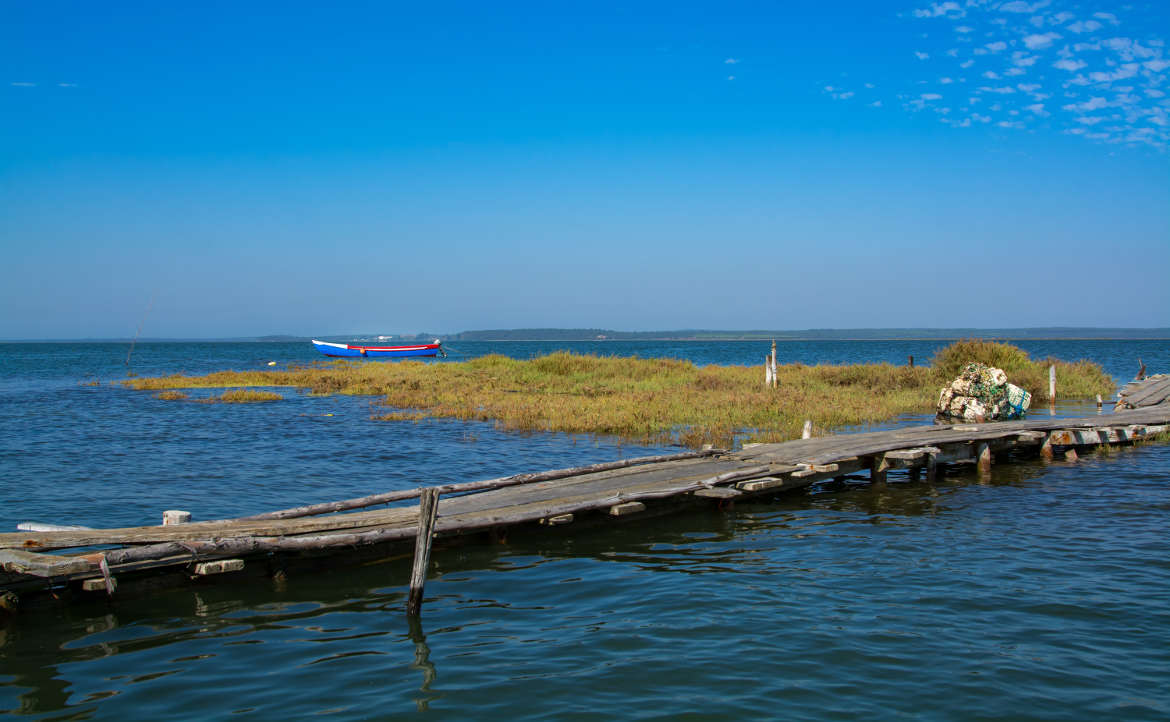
<point x="174" y="516"/>
<point x="1052" y="385"/>
<point x="807" y="432"/>
<point x="775" y="381"/>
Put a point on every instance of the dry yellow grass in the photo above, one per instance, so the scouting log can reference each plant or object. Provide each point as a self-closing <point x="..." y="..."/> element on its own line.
<point x="642" y="400"/>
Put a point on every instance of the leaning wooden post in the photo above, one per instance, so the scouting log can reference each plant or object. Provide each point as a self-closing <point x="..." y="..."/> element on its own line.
<point x="428" y="508"/>
<point x="1052" y="385"/>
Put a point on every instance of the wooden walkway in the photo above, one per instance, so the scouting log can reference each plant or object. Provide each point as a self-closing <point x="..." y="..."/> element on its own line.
<point x="32" y="563"/>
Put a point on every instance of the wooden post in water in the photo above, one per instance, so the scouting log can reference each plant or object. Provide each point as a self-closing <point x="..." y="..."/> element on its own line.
<point x="428" y="508"/>
<point x="877" y="469"/>
<point x="1141" y="371"/>
<point x="1052" y="385"/>
<point x="1046" y="448"/>
<point x="174" y="516"/>
<point x="911" y="360"/>
<point x="983" y="454"/>
<point x="775" y="381"/>
<point x="1099" y="402"/>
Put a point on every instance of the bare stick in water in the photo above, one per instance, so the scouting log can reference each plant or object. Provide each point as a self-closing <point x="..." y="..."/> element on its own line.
<point x="139" y="331"/>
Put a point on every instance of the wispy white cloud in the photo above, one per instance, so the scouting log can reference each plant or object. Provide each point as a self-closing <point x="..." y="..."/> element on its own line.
<point x="1070" y="65"/>
<point x="1117" y="84"/>
<point x="23" y="84"/>
<point x="948" y="9"/>
<point x="731" y="61"/>
<point x="1018" y="6"/>
<point x="1084" y="26"/>
<point x="1088" y="105"/>
<point x="1036" y="41"/>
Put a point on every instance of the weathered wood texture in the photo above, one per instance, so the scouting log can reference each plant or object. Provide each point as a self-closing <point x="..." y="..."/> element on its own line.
<point x="428" y="510"/>
<point x="1150" y="392"/>
<point x="615" y="490"/>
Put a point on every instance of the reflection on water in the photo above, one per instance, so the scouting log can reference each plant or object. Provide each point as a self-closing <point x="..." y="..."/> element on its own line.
<point x="1037" y="591"/>
<point x="1012" y="590"/>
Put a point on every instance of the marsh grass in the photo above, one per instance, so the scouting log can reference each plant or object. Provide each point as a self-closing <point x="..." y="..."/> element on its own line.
<point x="171" y="395"/>
<point x="242" y="396"/>
<point x="643" y="400"/>
<point x="1076" y="380"/>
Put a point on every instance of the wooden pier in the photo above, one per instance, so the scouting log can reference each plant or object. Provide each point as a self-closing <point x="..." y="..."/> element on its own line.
<point x="76" y="563"/>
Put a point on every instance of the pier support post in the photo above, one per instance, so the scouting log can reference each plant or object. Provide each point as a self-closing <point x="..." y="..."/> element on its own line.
<point x="1046" y="447"/>
<point x="983" y="454"/>
<point x="428" y="509"/>
<point x="175" y="516"/>
<point x="931" y="468"/>
<point x="806" y="433"/>
<point x="1052" y="385"/>
<point x="877" y="469"/>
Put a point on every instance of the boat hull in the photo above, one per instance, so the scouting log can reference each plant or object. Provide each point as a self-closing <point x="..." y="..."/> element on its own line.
<point x="344" y="350"/>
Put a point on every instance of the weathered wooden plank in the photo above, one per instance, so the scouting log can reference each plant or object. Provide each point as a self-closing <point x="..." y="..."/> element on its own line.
<point x="44" y="565"/>
<point x="199" y="530"/>
<point x="717" y="492"/>
<point x="221" y="566"/>
<point x="629" y="507"/>
<point x="448" y="489"/>
<point x="1150" y="392"/>
<point x="767" y="482"/>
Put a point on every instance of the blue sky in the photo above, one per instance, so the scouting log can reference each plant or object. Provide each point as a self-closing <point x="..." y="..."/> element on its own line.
<point x="314" y="169"/>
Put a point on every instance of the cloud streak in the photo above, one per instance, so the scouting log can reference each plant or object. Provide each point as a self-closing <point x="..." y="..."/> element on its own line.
<point x="1052" y="65"/>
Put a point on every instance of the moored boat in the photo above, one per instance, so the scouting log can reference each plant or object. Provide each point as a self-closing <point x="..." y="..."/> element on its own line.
<point x="348" y="350"/>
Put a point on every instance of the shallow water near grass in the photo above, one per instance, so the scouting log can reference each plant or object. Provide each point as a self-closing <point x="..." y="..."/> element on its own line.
<point x="1042" y="592"/>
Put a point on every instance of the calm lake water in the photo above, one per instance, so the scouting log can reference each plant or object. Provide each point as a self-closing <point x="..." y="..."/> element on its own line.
<point x="1042" y="594"/>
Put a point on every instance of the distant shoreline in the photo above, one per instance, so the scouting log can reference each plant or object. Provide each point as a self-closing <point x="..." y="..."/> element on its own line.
<point x="686" y="336"/>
